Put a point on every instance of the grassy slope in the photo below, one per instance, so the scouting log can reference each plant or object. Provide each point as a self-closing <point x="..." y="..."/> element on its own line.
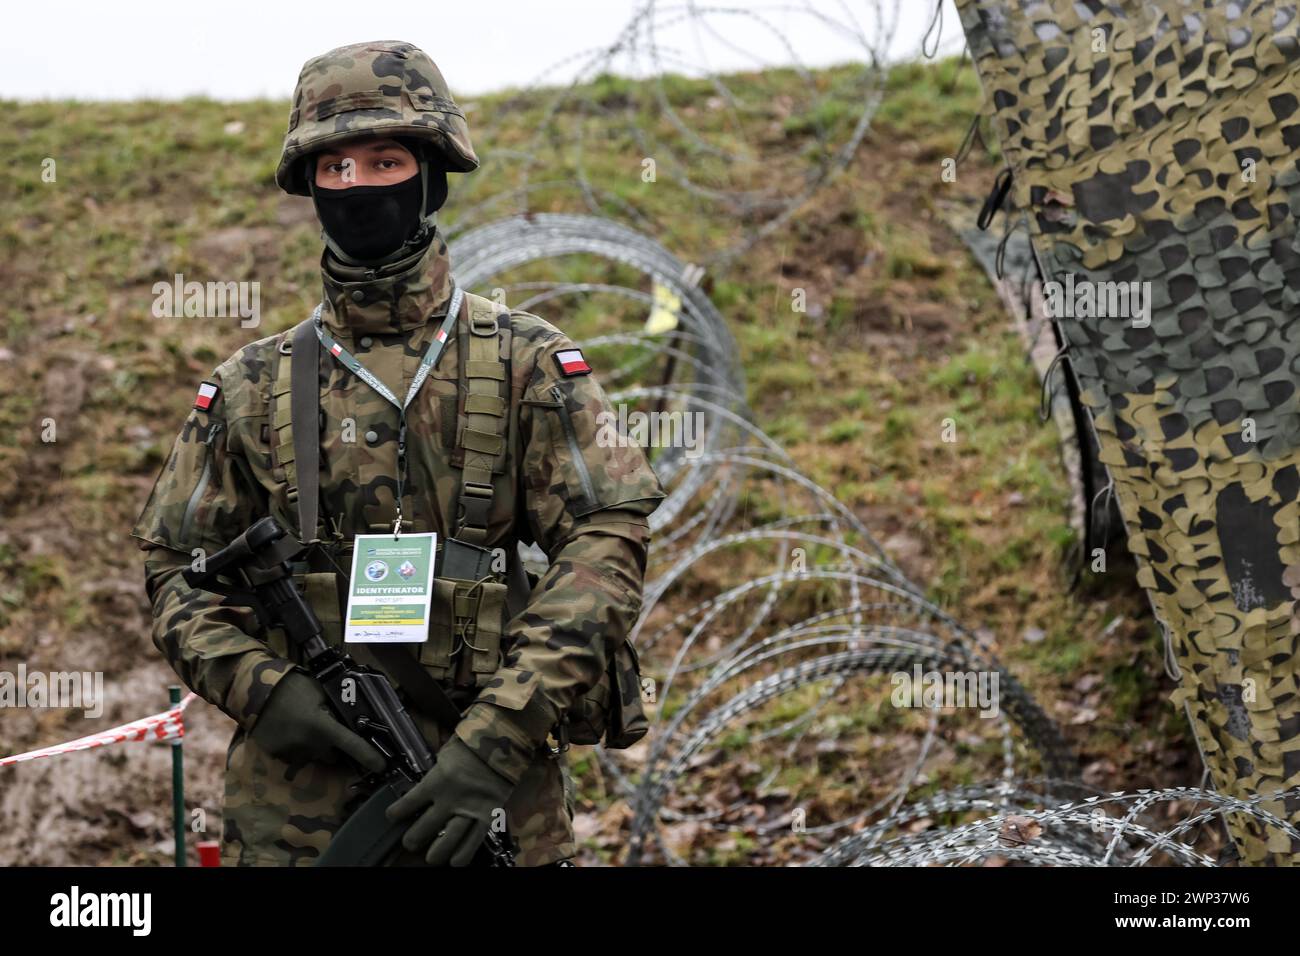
<point x="903" y="332"/>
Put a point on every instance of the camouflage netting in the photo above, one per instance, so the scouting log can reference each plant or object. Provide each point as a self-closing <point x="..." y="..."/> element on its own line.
<point x="1157" y="142"/>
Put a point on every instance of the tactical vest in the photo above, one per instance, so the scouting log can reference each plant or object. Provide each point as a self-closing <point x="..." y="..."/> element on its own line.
<point x="472" y="603"/>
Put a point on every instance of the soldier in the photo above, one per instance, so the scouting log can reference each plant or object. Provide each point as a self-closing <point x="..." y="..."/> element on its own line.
<point x="496" y="445"/>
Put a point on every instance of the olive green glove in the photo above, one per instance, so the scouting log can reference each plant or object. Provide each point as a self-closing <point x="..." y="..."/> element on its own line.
<point x="461" y="797"/>
<point x="296" y="725"/>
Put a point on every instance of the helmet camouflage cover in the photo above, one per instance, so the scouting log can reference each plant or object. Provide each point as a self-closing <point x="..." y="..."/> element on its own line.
<point x="386" y="87"/>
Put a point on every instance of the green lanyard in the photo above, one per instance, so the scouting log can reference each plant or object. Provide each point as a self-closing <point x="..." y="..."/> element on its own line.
<point x="431" y="356"/>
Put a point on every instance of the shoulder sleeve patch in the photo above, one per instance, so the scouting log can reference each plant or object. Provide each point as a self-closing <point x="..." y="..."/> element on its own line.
<point x="208" y="392"/>
<point x="571" y="362"/>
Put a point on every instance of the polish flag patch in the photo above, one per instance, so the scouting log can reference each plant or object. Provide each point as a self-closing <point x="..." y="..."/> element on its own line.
<point x="207" y="395"/>
<point x="336" y="350"/>
<point x="442" y="335"/>
<point x="571" y="362"/>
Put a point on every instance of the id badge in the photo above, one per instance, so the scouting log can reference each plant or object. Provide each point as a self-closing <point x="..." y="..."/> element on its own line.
<point x="390" y="589"/>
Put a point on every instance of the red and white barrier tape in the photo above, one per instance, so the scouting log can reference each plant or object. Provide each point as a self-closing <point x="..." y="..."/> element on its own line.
<point x="169" y="725"/>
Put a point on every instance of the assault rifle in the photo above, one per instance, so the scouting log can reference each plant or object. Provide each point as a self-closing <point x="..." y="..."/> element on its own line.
<point x="361" y="697"/>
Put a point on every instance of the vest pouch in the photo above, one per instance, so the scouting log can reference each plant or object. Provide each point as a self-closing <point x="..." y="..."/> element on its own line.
<point x="485" y="644"/>
<point x="466" y="622"/>
<point x="321" y="591"/>
<point x="612" y="710"/>
<point x="277" y="642"/>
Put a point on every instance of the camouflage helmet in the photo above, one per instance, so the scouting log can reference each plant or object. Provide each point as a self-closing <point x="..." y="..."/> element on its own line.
<point x="385" y="87"/>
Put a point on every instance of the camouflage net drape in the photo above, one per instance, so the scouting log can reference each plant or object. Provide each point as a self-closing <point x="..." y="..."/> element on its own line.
<point x="1156" y="142"/>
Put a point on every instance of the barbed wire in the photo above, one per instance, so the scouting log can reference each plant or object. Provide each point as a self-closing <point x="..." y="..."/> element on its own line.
<point x="811" y="123"/>
<point x="774" y="625"/>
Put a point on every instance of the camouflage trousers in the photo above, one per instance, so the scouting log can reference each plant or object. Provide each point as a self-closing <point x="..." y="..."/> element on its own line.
<point x="280" y="814"/>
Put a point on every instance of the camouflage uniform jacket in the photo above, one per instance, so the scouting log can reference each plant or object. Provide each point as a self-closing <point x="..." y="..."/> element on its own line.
<point x="589" y="516"/>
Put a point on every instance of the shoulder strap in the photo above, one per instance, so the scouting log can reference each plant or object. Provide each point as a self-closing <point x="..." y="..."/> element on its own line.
<point x="482" y="440"/>
<point x="305" y="407"/>
<point x="296" y="396"/>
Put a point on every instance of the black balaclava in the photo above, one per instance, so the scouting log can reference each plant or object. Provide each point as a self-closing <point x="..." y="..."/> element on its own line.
<point x="370" y="223"/>
<point x="377" y="225"/>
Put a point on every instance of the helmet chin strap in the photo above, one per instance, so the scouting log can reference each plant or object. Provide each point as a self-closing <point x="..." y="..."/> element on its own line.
<point x="419" y="239"/>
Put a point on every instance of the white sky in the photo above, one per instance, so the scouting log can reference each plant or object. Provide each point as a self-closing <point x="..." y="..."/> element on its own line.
<point x="241" y="49"/>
